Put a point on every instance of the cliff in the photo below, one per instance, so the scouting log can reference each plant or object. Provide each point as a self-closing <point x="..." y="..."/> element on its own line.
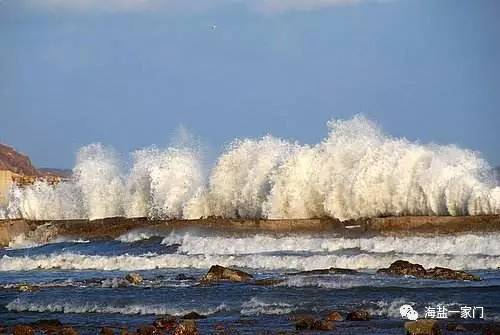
<point x="16" y="162"/>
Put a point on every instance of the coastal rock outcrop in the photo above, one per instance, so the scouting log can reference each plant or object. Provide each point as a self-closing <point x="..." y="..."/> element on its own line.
<point x="23" y="330"/>
<point x="220" y="273"/>
<point x="334" y="316"/>
<point x="308" y="322"/>
<point x="405" y="268"/>
<point x="422" y="327"/>
<point x="187" y="327"/>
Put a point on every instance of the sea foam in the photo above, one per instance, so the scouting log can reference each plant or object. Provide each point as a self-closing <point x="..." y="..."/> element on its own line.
<point x="356" y="171"/>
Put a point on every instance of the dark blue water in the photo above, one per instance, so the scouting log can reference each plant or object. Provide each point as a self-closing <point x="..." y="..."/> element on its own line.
<point x="82" y="283"/>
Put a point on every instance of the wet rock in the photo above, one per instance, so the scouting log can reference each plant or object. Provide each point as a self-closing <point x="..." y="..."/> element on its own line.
<point x="107" y="331"/>
<point x="67" y="331"/>
<point x="358" y="315"/>
<point x="23" y="330"/>
<point x="27" y="288"/>
<point x="47" y="326"/>
<point x="304" y="322"/>
<point x="405" y="268"/>
<point x="268" y="281"/>
<point x="182" y="276"/>
<point x="449" y="274"/>
<point x="167" y="322"/>
<point x="218" y="273"/>
<point x="334" y="316"/>
<point x="326" y="272"/>
<point x="134" y="278"/>
<point x="422" y="327"/>
<point x="187" y="327"/>
<point x="193" y="316"/>
<point x="147" y="330"/>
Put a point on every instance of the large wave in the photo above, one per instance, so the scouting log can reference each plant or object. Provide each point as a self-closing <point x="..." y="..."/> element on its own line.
<point x="356" y="171"/>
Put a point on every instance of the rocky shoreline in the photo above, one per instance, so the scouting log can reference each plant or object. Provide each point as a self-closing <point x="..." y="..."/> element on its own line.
<point x="42" y="231"/>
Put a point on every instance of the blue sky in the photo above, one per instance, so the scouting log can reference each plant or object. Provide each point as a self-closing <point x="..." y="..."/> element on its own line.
<point x="128" y="72"/>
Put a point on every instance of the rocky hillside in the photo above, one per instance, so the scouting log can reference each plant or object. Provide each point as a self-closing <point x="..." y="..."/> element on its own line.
<point x="12" y="160"/>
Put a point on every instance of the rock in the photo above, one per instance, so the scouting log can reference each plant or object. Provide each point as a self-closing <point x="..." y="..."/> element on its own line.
<point x="325" y="272"/>
<point x="358" y="315"/>
<point x="422" y="327"/>
<point x="23" y="330"/>
<point x="167" y="322"/>
<point x="449" y="274"/>
<point x="405" y="268"/>
<point x="182" y="276"/>
<point x="218" y="273"/>
<point x="304" y="322"/>
<point x="268" y="281"/>
<point x="493" y="329"/>
<point x="27" y="288"/>
<point x="47" y="326"/>
<point x="334" y="316"/>
<point x="107" y="331"/>
<point x="193" y="316"/>
<point x="147" y="330"/>
<point x="134" y="278"/>
<point x="68" y="331"/>
<point x="187" y="327"/>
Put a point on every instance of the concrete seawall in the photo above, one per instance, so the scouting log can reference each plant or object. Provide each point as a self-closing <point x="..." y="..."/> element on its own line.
<point x="43" y="231"/>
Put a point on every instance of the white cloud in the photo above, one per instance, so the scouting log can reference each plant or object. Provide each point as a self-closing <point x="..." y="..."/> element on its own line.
<point x="139" y="5"/>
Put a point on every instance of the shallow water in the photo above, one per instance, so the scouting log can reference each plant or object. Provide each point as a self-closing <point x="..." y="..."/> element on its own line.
<point x="82" y="282"/>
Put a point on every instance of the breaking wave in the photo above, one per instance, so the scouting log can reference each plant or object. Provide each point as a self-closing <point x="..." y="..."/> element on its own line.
<point x="356" y="171"/>
<point x="256" y="306"/>
<point x="20" y="305"/>
<point x="74" y="261"/>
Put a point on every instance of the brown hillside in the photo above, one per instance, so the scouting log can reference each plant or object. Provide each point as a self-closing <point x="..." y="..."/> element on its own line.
<point x="12" y="160"/>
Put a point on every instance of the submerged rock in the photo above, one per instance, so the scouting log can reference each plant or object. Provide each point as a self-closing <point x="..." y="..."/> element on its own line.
<point x="218" y="273"/>
<point x="358" y="315"/>
<point x="405" y="268"/>
<point x="308" y="322"/>
<point x="182" y="276"/>
<point x="134" y="278"/>
<point x="193" y="316"/>
<point x="325" y="272"/>
<point x="23" y="330"/>
<point x="422" y="327"/>
<point x="268" y="281"/>
<point x="187" y="327"/>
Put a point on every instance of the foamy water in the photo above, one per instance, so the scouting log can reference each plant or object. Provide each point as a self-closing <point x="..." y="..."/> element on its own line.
<point x="356" y="171"/>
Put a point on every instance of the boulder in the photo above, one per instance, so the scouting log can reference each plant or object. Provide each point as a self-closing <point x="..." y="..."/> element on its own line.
<point x="167" y="322"/>
<point x="187" y="327"/>
<point x="358" y="315"/>
<point x="422" y="327"/>
<point x="107" y="331"/>
<point x="323" y="325"/>
<point x="134" y="278"/>
<point x="218" y="273"/>
<point x="23" y="330"/>
<point x="405" y="268"/>
<point x="193" y="316"/>
<point x="334" y="316"/>
<point x="304" y="322"/>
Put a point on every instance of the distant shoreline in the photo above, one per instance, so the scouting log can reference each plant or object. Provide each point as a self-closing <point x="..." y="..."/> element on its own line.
<point x="114" y="227"/>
